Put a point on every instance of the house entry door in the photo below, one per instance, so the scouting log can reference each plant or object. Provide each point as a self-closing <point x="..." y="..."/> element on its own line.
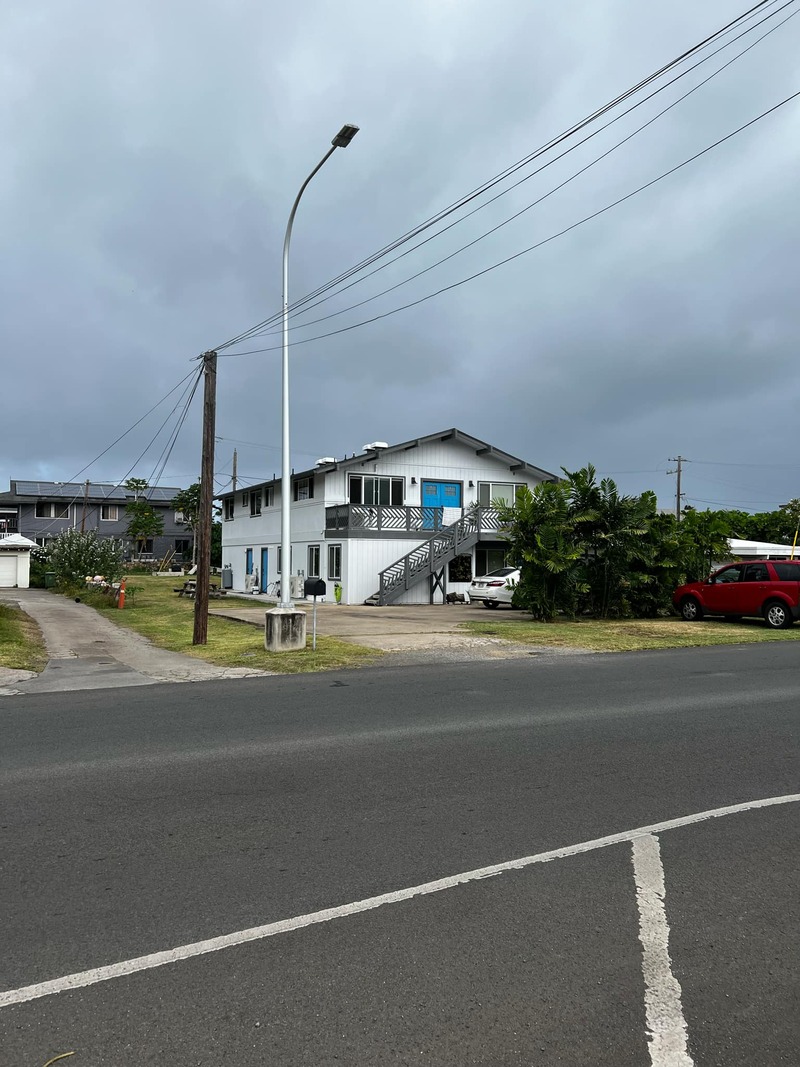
<point x="264" y="571"/>
<point x="438" y="495"/>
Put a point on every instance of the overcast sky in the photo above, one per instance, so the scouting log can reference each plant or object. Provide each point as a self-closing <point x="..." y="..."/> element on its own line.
<point x="151" y="155"/>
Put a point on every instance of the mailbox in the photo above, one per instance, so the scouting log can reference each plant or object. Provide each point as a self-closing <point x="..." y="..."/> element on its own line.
<point x="314" y="587"/>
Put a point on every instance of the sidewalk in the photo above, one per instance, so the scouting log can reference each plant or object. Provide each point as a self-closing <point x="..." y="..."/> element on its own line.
<point x="87" y="651"/>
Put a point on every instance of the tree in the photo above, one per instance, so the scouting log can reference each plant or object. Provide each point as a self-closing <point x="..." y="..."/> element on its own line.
<point x="187" y="501"/>
<point x="143" y="523"/>
<point x="703" y="539"/>
<point x="541" y="533"/>
<point x="137" y="486"/>
<point x="74" y="555"/>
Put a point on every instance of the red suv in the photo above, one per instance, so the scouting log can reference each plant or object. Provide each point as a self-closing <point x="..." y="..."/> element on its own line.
<point x="766" y="588"/>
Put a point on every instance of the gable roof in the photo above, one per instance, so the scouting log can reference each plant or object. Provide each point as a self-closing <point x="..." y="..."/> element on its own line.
<point x="481" y="448"/>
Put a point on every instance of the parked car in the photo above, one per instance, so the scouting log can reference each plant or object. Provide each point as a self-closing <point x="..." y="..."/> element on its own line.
<point x="495" y="588"/>
<point x="769" y="589"/>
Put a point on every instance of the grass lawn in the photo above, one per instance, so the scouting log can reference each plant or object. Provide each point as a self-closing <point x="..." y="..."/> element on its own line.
<point x="629" y="635"/>
<point x="21" y="644"/>
<point x="154" y="610"/>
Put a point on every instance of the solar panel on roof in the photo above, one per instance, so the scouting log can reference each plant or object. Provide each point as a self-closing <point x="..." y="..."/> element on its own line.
<point x="104" y="490"/>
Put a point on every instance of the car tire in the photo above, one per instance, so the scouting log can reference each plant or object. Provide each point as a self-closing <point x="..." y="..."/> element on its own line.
<point x="777" y="615"/>
<point x="691" y="609"/>
<point x="492" y="603"/>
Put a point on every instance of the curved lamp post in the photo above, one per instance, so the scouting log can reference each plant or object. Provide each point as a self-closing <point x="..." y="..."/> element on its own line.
<point x="341" y="140"/>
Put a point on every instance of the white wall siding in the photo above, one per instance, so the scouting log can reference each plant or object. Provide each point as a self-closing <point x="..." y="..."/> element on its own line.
<point x="447" y="460"/>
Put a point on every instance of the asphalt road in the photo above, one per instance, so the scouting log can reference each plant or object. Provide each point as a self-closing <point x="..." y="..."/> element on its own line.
<point x="138" y="820"/>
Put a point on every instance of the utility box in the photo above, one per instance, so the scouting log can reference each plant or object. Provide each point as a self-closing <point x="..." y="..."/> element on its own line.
<point x="227" y="578"/>
<point x="296" y="585"/>
<point x="314" y="587"/>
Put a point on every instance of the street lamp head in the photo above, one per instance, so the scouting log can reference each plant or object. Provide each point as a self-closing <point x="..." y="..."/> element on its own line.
<point x="344" y="136"/>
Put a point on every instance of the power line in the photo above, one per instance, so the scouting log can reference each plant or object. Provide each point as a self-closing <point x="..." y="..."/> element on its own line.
<point x="530" y="248"/>
<point x="268" y="331"/>
<point x="486" y="186"/>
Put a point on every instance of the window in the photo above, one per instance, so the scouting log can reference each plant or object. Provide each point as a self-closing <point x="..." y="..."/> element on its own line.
<point x="269" y="495"/>
<point x="245" y="500"/>
<point x="787" y="572"/>
<point x="182" y="546"/>
<point x="110" y="513"/>
<point x="47" y="510"/>
<point x="366" y="489"/>
<point x="489" y="559"/>
<point x="334" y="561"/>
<point x="729" y="575"/>
<point x="229" y="508"/>
<point x="488" y="492"/>
<point x="313" y="561"/>
<point x="756" y="572"/>
<point x="304" y="489"/>
<point x="255" y="502"/>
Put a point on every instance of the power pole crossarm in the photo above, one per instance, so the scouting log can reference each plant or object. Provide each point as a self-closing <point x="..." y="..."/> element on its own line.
<point x="203" y="534"/>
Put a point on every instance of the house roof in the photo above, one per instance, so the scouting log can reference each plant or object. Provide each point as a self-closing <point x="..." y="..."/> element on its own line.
<point x="23" y="492"/>
<point x="16" y="541"/>
<point x="482" y="448"/>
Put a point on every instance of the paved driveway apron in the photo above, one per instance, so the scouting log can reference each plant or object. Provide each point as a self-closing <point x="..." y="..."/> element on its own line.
<point x="86" y="651"/>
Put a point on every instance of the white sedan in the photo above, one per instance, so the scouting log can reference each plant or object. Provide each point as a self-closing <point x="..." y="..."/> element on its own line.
<point x="496" y="587"/>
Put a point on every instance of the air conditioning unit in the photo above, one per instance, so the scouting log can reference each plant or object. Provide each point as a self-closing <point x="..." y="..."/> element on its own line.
<point x="297" y="585"/>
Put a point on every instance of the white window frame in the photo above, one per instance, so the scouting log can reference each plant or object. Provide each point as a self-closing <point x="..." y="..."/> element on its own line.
<point x="488" y="491"/>
<point x="230" y="508"/>
<point x="255" y="503"/>
<point x="394" y="482"/>
<point x="51" y="510"/>
<point x="112" y="513"/>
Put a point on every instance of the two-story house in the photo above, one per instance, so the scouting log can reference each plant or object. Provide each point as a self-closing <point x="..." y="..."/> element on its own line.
<point x="402" y="523"/>
<point x="42" y="510"/>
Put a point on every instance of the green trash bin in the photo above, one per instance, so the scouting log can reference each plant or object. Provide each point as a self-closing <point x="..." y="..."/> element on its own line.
<point x="49" y="579"/>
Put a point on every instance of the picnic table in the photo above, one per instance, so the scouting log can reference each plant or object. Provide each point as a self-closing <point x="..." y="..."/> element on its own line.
<point x="189" y="589"/>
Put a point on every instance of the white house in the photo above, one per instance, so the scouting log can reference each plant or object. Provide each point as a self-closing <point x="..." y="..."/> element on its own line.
<point x="400" y="523"/>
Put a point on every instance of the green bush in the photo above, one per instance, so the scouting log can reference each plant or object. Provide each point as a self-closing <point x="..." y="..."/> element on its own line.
<point x="73" y="556"/>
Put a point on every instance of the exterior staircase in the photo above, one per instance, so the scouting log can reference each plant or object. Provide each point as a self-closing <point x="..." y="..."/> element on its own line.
<point x="430" y="559"/>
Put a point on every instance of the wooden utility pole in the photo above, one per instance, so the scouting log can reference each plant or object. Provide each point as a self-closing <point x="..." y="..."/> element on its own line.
<point x="233" y="472"/>
<point x="203" y="533"/>
<point x="85" y="501"/>
<point x="679" y="460"/>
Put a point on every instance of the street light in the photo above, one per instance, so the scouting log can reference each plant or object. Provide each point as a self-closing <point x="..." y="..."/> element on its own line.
<point x="341" y="140"/>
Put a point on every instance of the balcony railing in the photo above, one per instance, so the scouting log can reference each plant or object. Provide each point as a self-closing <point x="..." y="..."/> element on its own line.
<point x="386" y="520"/>
<point x="8" y="525"/>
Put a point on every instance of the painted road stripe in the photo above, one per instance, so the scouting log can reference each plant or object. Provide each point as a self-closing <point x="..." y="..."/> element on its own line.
<point x="666" y="1025"/>
<point x="284" y="926"/>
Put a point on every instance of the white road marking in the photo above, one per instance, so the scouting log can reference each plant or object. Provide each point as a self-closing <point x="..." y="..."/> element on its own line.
<point x="284" y="926"/>
<point x="666" y="1025"/>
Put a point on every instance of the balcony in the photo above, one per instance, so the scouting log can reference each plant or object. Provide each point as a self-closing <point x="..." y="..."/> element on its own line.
<point x="8" y="525"/>
<point x="385" y="520"/>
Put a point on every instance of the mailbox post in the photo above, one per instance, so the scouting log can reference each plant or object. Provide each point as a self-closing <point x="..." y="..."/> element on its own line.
<point x="314" y="587"/>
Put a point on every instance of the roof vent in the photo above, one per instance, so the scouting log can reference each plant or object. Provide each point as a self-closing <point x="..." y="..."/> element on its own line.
<point x="374" y="446"/>
<point x="325" y="459"/>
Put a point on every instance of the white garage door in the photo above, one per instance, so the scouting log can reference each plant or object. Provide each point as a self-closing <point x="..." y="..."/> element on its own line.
<point x="8" y="571"/>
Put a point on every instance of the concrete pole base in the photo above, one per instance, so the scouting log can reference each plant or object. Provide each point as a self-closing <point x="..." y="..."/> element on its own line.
<point x="285" y="630"/>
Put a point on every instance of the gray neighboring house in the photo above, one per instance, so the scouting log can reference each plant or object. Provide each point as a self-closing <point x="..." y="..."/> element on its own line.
<point x="42" y="510"/>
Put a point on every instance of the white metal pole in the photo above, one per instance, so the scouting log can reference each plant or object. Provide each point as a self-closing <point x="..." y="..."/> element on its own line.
<point x="341" y="140"/>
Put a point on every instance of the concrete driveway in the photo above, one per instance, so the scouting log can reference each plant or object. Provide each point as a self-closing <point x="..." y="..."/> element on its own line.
<point x="399" y="628"/>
